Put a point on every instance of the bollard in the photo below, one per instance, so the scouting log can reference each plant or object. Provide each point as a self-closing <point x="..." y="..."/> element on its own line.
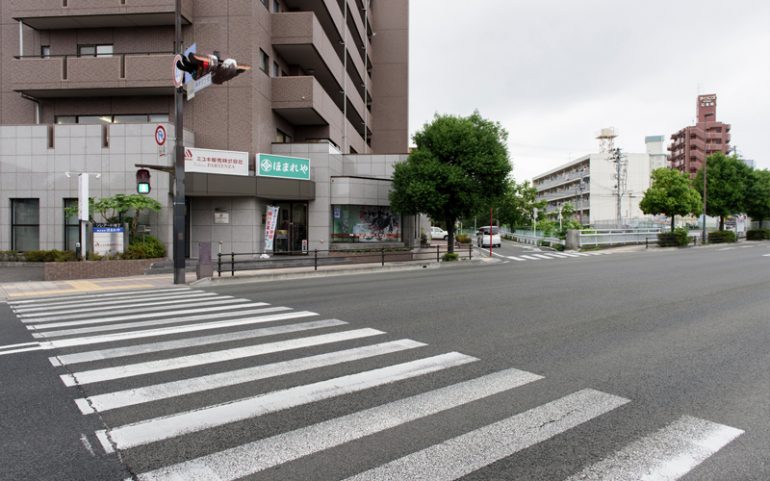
<point x="646" y="242"/>
<point x="470" y="251"/>
<point x="315" y="259"/>
<point x="438" y="254"/>
<point x="219" y="264"/>
<point x="232" y="264"/>
<point x="383" y="257"/>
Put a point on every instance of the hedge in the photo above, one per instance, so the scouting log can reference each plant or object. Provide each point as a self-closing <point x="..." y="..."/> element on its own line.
<point x="758" y="234"/>
<point x="721" y="237"/>
<point x="677" y="238"/>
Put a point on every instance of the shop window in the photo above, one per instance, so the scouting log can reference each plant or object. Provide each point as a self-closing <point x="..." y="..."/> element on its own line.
<point x="95" y="50"/>
<point x="264" y="60"/>
<point x="25" y="224"/>
<point x="365" y="223"/>
<point x="71" y="224"/>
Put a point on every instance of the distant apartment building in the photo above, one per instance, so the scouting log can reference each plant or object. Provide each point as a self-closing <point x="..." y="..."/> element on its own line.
<point x="84" y="85"/>
<point x="589" y="183"/>
<point x="692" y="145"/>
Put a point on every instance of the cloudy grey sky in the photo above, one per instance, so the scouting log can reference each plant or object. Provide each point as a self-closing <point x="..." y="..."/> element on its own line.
<point x="554" y="72"/>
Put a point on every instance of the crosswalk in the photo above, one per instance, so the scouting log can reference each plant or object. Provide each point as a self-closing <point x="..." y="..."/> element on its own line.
<point x="547" y="256"/>
<point x="160" y="367"/>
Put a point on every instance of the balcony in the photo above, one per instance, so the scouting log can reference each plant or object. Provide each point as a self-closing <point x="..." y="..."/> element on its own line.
<point x="75" y="14"/>
<point x="73" y="76"/>
<point x="302" y="101"/>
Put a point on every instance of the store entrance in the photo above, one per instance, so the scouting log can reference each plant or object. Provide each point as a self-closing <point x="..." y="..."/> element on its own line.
<point x="291" y="228"/>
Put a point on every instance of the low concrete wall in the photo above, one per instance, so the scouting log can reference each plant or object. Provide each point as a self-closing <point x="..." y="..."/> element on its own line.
<point x="63" y="271"/>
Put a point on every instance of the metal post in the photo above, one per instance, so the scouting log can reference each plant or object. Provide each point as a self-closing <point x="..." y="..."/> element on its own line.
<point x="705" y="172"/>
<point x="470" y="251"/>
<point x="179" y="188"/>
<point x="219" y="263"/>
<point x="383" y="257"/>
<point x="232" y="264"/>
<point x="315" y="259"/>
<point x="490" y="232"/>
<point x="438" y="253"/>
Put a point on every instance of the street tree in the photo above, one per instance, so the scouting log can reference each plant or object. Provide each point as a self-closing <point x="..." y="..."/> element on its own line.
<point x="757" y="200"/>
<point x="515" y="206"/>
<point x="726" y="181"/>
<point x="672" y="194"/>
<point x="459" y="165"/>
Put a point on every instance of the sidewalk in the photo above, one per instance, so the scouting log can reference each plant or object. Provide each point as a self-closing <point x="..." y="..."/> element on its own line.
<point x="24" y="290"/>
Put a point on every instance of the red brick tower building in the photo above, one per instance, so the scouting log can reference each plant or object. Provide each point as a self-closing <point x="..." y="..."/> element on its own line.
<point x="691" y="145"/>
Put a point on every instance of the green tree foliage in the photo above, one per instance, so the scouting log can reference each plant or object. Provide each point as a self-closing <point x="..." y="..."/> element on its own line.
<point x="515" y="206"/>
<point x="757" y="201"/>
<point x="120" y="208"/>
<point x="672" y="194"/>
<point x="459" y="165"/>
<point x="727" y="179"/>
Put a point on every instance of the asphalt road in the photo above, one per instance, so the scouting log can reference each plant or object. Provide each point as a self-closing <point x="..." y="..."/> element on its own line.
<point x="654" y="360"/>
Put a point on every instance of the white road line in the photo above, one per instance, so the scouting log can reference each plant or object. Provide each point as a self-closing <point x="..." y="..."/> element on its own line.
<point x="149" y="315"/>
<point x="581" y="254"/>
<point x="158" y="311"/>
<point x="765" y="255"/>
<point x="665" y="455"/>
<point x="211" y="357"/>
<point x="132" y="397"/>
<point x="46" y="300"/>
<point x="551" y="254"/>
<point x="155" y="322"/>
<point x="23" y="349"/>
<point x="88" y="356"/>
<point x="725" y="249"/>
<point x="113" y="301"/>
<point x="531" y="258"/>
<point x="158" y="429"/>
<point x="541" y="256"/>
<point x="247" y="459"/>
<point x="165" y="331"/>
<point x="21" y="344"/>
<point x="464" y="454"/>
<point x="569" y="254"/>
<point x="516" y="259"/>
<point x="129" y="305"/>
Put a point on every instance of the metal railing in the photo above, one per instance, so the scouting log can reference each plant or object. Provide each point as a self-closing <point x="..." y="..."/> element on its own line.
<point x="248" y="261"/>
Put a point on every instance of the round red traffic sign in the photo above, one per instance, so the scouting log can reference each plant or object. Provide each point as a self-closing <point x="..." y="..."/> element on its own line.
<point x="160" y="135"/>
<point x="178" y="74"/>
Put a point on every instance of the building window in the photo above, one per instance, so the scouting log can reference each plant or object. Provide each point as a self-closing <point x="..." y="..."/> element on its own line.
<point x="264" y="60"/>
<point x="45" y="51"/>
<point x="111" y="119"/>
<point x="25" y="224"/>
<point x="276" y="70"/>
<point x="95" y="50"/>
<point x="276" y="6"/>
<point x="264" y="2"/>
<point x="71" y="224"/>
<point x="282" y="137"/>
<point x="365" y="223"/>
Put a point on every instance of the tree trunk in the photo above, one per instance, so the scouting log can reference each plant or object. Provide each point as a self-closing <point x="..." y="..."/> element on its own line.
<point x="721" y="223"/>
<point x="450" y="241"/>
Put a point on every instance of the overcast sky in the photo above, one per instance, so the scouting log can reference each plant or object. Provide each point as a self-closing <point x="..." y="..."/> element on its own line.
<point x="554" y="73"/>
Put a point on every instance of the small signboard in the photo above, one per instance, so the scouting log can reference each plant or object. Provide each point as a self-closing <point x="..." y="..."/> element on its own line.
<point x="269" y="165"/>
<point x="221" y="217"/>
<point x="209" y="161"/>
<point x="160" y="139"/>
<point x="109" y="239"/>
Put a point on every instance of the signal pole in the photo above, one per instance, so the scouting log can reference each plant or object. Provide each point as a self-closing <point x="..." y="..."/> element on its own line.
<point x="178" y="243"/>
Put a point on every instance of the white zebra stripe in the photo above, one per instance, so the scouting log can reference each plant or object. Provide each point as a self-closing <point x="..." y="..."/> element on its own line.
<point x="137" y="349"/>
<point x="516" y="259"/>
<point x="212" y="357"/>
<point x="247" y="459"/>
<point x="47" y="300"/>
<point x="51" y="313"/>
<point x="540" y="256"/>
<point x="464" y="454"/>
<point x="531" y="258"/>
<point x="132" y="397"/>
<point x="665" y="455"/>
<point x="166" y="331"/>
<point x="158" y="429"/>
<point x="155" y="322"/>
<point x="150" y="315"/>
<point x="113" y="301"/>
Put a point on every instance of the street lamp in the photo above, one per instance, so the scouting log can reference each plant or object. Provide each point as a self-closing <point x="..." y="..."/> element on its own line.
<point x="83" y="214"/>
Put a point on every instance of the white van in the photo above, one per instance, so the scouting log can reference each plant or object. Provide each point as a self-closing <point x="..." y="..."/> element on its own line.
<point x="483" y="238"/>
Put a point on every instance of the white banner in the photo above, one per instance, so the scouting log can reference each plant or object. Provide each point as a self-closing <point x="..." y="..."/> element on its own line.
<point x="271" y="220"/>
<point x="83" y="197"/>
<point x="208" y="161"/>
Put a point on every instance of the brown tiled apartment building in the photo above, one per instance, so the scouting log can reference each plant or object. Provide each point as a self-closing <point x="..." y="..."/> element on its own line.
<point x="691" y="145"/>
<point x="329" y="82"/>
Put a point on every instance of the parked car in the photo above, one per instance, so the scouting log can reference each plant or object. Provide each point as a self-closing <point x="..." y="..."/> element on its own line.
<point x="483" y="237"/>
<point x="438" y="233"/>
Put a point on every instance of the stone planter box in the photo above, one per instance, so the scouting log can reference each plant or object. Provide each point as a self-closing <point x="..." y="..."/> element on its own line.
<point x="63" y="271"/>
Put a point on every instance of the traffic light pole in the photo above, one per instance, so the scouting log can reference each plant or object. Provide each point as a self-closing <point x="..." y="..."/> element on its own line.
<point x="179" y="190"/>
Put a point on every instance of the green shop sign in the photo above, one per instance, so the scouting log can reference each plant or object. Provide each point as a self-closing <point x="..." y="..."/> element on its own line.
<point x="269" y="165"/>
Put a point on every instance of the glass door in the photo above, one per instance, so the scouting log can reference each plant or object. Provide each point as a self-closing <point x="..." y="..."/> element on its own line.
<point x="291" y="228"/>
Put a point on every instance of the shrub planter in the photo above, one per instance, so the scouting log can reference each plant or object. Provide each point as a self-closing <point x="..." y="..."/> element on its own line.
<point x="720" y="237"/>
<point x="758" y="234"/>
<point x="63" y="271"/>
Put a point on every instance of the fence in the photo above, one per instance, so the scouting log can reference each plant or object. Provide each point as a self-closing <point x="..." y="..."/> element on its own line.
<point x="527" y="237"/>
<point x="241" y="261"/>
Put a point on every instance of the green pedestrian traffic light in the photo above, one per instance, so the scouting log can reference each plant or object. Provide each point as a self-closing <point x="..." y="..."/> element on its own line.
<point x="143" y="181"/>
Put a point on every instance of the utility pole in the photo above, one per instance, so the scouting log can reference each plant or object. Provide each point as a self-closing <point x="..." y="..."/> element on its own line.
<point x="178" y="243"/>
<point x="705" y="171"/>
<point x="620" y="186"/>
